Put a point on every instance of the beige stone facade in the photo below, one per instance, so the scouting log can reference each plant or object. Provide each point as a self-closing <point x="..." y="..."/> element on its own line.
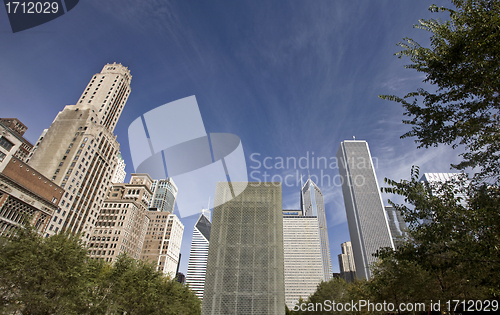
<point x="162" y="244"/>
<point x="79" y="150"/>
<point x="122" y="221"/>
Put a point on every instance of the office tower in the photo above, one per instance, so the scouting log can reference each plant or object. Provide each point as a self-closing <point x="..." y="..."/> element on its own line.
<point x="346" y="263"/>
<point x="119" y="174"/>
<point x="302" y="254"/>
<point x="245" y="258"/>
<point x="122" y="221"/>
<point x="164" y="194"/>
<point x="197" y="266"/>
<point x="435" y="181"/>
<point x="17" y="129"/>
<point x="25" y="194"/>
<point x="162" y="244"/>
<point x="397" y="225"/>
<point x="78" y="151"/>
<point x="368" y="226"/>
<point x="312" y="204"/>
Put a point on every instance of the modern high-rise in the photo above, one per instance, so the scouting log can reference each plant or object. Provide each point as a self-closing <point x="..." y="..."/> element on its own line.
<point x="311" y="200"/>
<point x="164" y="194"/>
<point x="368" y="225"/>
<point x="197" y="265"/>
<point x="245" y="258"/>
<point x="122" y="221"/>
<point x="79" y="150"/>
<point x="397" y="224"/>
<point x="302" y="254"/>
<point x="346" y="263"/>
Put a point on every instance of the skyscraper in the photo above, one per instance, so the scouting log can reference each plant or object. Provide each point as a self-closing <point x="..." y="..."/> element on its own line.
<point x="245" y="257"/>
<point x="312" y="204"/>
<point x="164" y="194"/>
<point x="78" y="151"/>
<point x="197" y="266"/>
<point x="302" y="254"/>
<point x="368" y="226"/>
<point x="397" y="224"/>
<point x="346" y="262"/>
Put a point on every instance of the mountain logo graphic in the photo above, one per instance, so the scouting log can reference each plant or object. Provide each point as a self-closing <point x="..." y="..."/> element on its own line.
<point x="24" y="15"/>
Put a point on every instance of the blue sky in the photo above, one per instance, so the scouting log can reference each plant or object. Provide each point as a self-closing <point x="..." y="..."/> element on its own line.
<point x="288" y="77"/>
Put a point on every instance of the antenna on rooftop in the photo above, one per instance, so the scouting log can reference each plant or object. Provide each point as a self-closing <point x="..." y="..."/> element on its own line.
<point x="353" y="137"/>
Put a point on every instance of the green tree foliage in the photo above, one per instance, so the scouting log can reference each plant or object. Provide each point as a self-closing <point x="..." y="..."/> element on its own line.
<point x="463" y="67"/>
<point x="454" y="233"/>
<point x="139" y="289"/>
<point x="55" y="276"/>
<point x="453" y="247"/>
<point x="43" y="276"/>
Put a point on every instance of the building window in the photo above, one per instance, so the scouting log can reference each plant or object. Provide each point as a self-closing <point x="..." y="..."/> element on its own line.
<point x="2" y="156"/>
<point x="6" y="144"/>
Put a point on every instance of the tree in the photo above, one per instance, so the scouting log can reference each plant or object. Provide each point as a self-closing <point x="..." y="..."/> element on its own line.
<point x="43" y="275"/>
<point x="55" y="276"/>
<point x="138" y="288"/>
<point x="454" y="227"/>
<point x="454" y="235"/>
<point x="463" y="66"/>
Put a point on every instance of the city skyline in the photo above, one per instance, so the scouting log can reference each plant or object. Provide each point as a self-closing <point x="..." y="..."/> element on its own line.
<point x="286" y="89"/>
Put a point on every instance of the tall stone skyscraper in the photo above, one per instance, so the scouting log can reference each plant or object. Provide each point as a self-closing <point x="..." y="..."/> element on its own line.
<point x="79" y="150"/>
<point x="368" y="226"/>
<point x="311" y="200"/>
<point x="197" y="266"/>
<point x="245" y="258"/>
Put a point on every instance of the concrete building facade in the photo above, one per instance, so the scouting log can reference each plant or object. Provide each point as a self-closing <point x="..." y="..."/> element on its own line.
<point x="346" y="263"/>
<point x="162" y="244"/>
<point x="79" y="150"/>
<point x="25" y="194"/>
<point x="122" y="221"/>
